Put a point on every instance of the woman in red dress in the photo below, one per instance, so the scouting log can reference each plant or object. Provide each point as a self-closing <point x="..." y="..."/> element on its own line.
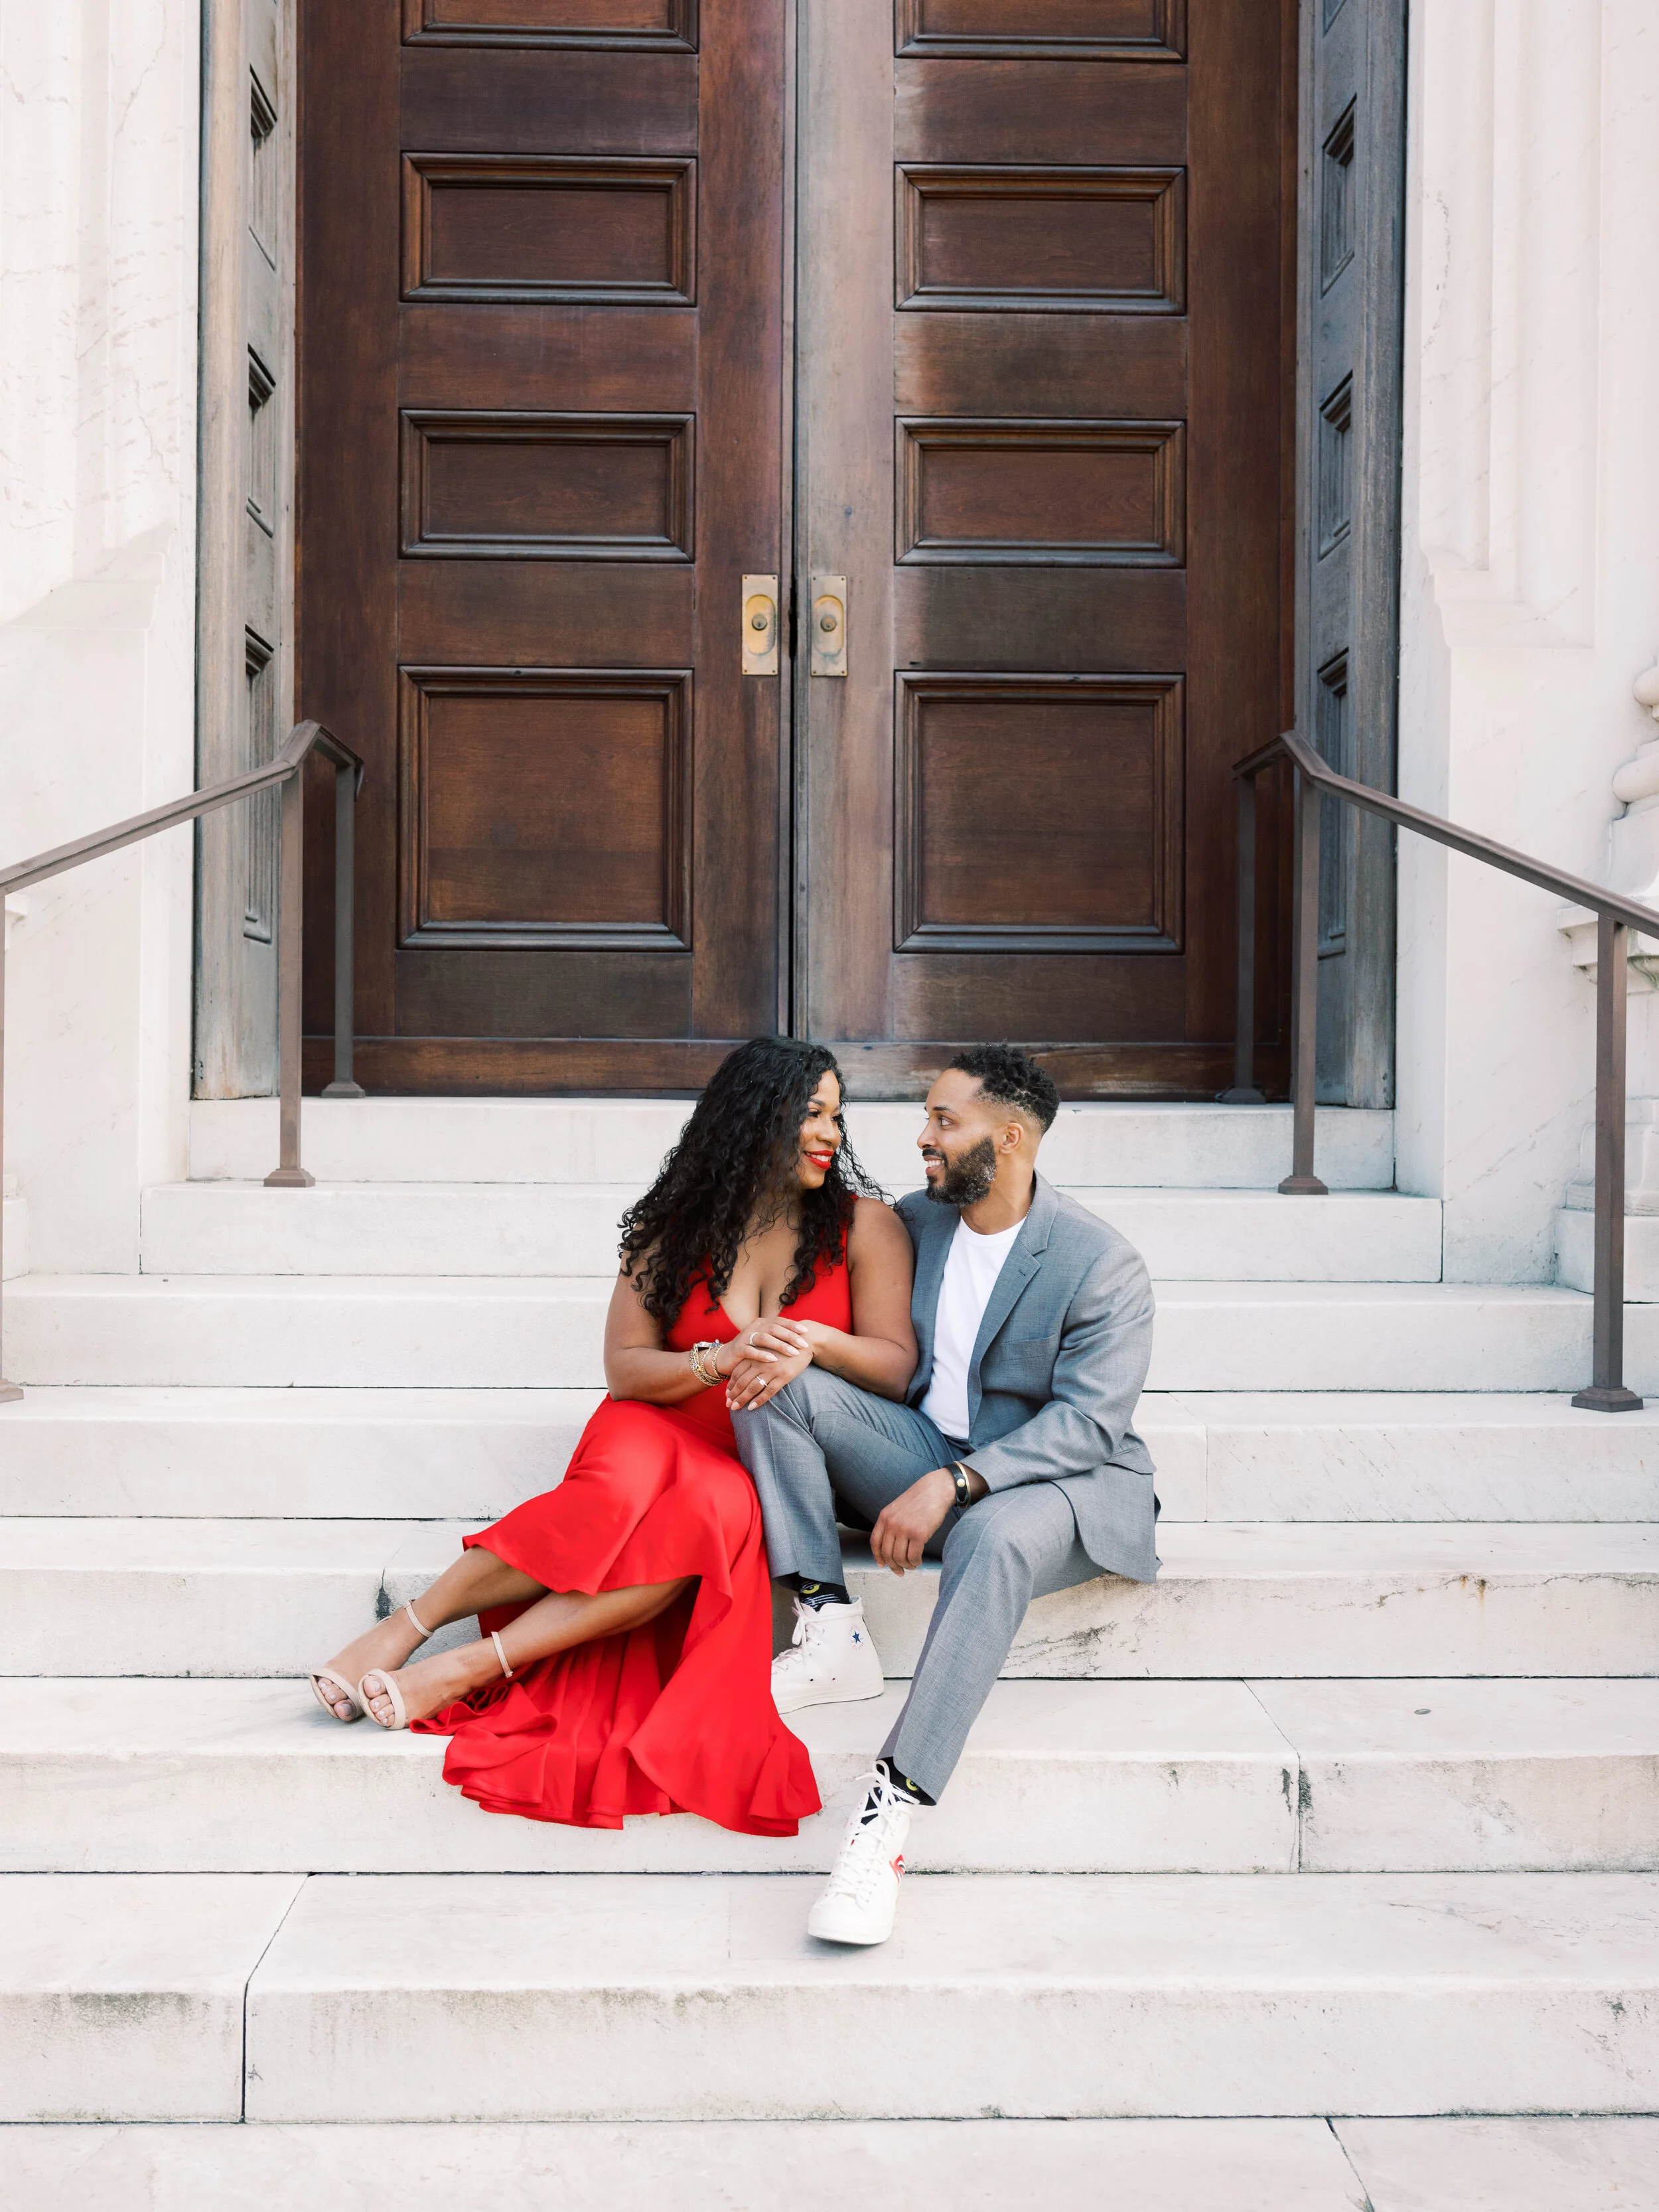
<point x="625" y="1661"/>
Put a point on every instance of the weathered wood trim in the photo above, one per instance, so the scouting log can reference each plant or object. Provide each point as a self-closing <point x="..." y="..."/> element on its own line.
<point x="245" y="575"/>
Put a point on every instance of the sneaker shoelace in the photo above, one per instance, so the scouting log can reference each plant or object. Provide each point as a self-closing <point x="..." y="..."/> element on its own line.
<point x="799" y="1654"/>
<point x="865" y="1852"/>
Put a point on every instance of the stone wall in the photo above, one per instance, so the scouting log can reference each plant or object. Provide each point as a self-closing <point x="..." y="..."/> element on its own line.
<point x="99" y="196"/>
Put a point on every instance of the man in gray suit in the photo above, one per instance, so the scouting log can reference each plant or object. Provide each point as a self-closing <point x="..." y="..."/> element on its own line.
<point x="1013" y="1461"/>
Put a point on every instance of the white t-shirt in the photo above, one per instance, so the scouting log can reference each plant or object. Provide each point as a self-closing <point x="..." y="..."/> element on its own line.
<point x="970" y="1274"/>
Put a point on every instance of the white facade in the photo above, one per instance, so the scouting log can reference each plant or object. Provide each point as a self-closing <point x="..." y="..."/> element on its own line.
<point x="1530" y="587"/>
<point x="1530" y="580"/>
<point x="98" y="213"/>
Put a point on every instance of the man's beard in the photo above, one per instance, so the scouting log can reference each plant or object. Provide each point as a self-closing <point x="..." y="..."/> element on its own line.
<point x="968" y="1178"/>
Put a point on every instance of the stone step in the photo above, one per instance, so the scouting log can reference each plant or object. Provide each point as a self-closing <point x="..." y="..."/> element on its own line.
<point x="122" y="1997"/>
<point x="1575" y="1254"/>
<point x="1554" y="2165"/>
<point x="539" y="1333"/>
<point x="622" y="1141"/>
<point x="663" y="1997"/>
<point x="460" y="1230"/>
<point x="954" y="2166"/>
<point x="134" y="1776"/>
<point x="139" y="1777"/>
<point x="418" y="1454"/>
<point x="251" y="1598"/>
<point x="669" y="1998"/>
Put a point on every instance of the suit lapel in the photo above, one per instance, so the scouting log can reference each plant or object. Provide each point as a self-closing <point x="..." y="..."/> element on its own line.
<point x="939" y="1227"/>
<point x="1018" y="1269"/>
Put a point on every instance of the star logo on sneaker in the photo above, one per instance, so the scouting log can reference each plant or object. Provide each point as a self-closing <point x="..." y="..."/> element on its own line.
<point x="857" y="1638"/>
<point x="898" y="1866"/>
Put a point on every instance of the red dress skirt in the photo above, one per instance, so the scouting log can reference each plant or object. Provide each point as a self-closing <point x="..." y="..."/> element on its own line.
<point x="676" y="1717"/>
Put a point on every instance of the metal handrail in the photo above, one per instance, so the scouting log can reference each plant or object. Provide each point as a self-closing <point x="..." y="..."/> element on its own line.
<point x="1614" y="916"/>
<point x="305" y="738"/>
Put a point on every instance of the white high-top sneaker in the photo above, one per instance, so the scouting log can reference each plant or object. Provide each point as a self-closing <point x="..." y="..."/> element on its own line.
<point x="831" y="1662"/>
<point x="862" y="1897"/>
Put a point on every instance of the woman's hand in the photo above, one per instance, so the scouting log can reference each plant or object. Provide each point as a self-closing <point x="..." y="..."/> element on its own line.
<point x="769" y="1355"/>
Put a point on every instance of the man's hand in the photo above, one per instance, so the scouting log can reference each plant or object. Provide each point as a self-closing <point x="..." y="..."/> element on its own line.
<point x="904" y="1527"/>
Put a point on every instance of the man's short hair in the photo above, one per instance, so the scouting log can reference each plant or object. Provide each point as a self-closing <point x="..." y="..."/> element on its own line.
<point x="1007" y="1075"/>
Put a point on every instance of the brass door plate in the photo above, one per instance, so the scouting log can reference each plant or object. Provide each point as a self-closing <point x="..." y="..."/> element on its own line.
<point x="760" y="625"/>
<point x="829" y="626"/>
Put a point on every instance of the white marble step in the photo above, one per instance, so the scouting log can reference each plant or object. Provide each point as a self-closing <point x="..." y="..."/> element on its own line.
<point x="622" y="1141"/>
<point x="122" y="1997"/>
<point x="537" y="1332"/>
<point x="133" y="1775"/>
<point x="460" y="1229"/>
<point x="419" y="1455"/>
<point x="1554" y="2165"/>
<point x="710" y="2166"/>
<point x="251" y="1598"/>
<point x="672" y="1997"/>
<point x="138" y="1777"/>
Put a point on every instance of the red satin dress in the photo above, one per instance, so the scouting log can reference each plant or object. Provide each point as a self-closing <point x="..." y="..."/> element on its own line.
<point x="676" y="1717"/>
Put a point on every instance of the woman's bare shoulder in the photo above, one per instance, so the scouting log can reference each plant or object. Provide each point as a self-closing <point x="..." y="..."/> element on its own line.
<point x="876" y="1232"/>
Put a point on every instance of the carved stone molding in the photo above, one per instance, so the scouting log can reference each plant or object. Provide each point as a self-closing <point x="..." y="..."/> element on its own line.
<point x="1634" y="859"/>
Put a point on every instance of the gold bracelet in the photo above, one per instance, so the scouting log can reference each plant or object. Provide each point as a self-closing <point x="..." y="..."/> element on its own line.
<point x="708" y="1378"/>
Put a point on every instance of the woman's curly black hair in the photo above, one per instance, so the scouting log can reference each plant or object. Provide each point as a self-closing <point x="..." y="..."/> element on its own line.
<point x="735" y="1159"/>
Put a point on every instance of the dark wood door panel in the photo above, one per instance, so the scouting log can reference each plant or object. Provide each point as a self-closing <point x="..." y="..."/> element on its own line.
<point x="494" y="614"/>
<point x="542" y="443"/>
<point x="1098" y="494"/>
<point x="968" y="364"/>
<point x="587" y="996"/>
<point x="1114" y="622"/>
<point x="1071" y="30"/>
<point x="1079" y="849"/>
<point x="1039" y="111"/>
<point x="498" y="484"/>
<point x="1078" y="621"/>
<point x="1059" y="999"/>
<point x="576" y="359"/>
<point x="1007" y="236"/>
<point x="546" y="810"/>
<point x="634" y="26"/>
<point x="497" y="100"/>
<point x="544" y="229"/>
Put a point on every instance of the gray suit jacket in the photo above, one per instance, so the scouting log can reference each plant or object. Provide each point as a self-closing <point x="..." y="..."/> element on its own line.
<point x="1058" y="1365"/>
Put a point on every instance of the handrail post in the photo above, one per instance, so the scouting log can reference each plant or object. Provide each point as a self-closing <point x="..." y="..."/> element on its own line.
<point x="288" y="1175"/>
<point x="1607" y="1393"/>
<point x="345" y="895"/>
<point x="9" y="1391"/>
<point x="1243" y="1091"/>
<point x="1302" y="1181"/>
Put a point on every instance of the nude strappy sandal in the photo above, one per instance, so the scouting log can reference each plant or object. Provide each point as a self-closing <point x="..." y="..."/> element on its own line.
<point x="349" y="1691"/>
<point x="341" y="1689"/>
<point x="399" y="1714"/>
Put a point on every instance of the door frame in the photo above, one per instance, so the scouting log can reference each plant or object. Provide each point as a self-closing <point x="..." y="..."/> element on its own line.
<point x="234" y="979"/>
<point x="234" y="1006"/>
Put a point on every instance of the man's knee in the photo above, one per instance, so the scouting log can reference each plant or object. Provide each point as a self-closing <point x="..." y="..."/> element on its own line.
<point x="801" y="1404"/>
<point x="999" y="1553"/>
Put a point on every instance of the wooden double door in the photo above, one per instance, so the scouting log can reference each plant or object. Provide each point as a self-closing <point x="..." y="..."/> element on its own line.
<point x="968" y="323"/>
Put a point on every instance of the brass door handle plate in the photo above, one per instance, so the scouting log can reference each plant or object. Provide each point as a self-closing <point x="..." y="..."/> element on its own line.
<point x="760" y="625"/>
<point x="829" y="626"/>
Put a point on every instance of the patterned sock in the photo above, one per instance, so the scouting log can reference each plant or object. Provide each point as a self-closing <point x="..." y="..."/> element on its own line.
<point x="912" y="1789"/>
<point x="817" y="1594"/>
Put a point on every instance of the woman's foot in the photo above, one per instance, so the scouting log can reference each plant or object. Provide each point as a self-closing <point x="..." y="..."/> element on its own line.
<point x="390" y="1642"/>
<point x="429" y="1685"/>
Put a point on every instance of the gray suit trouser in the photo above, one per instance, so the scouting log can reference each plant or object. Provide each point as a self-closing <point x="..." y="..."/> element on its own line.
<point x="821" y="1440"/>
